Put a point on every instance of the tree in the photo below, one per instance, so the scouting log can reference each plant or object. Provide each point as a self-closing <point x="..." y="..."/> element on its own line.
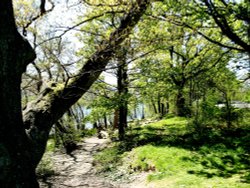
<point x="15" y="54"/>
<point x="192" y="57"/>
<point x="190" y="51"/>
<point x="23" y="141"/>
<point x="122" y="86"/>
<point x="227" y="21"/>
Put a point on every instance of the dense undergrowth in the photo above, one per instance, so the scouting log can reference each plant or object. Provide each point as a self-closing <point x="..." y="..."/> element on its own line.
<point x="176" y="154"/>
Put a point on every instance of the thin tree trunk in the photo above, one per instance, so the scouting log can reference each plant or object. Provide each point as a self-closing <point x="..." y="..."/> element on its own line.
<point x="167" y="107"/>
<point x="135" y="112"/>
<point x="143" y="112"/>
<point x="116" y="119"/>
<point x="122" y="84"/>
<point x="80" y="116"/>
<point x="159" y="104"/>
<point x="180" y="104"/>
<point x="163" y="110"/>
<point x="105" y="121"/>
<point x="154" y="106"/>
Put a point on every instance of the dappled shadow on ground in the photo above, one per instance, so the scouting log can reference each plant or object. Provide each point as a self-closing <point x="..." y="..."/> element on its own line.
<point x="220" y="152"/>
<point x="76" y="169"/>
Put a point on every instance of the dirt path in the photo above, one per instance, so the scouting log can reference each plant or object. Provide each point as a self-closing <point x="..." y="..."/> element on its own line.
<point x="77" y="170"/>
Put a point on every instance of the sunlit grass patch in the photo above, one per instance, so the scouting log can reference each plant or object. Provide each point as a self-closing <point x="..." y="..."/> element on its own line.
<point x="50" y="147"/>
<point x="167" y="160"/>
<point x="174" y="125"/>
<point x="174" y="121"/>
<point x="184" y="180"/>
<point x="176" y="156"/>
<point x="108" y="159"/>
<point x="177" y="167"/>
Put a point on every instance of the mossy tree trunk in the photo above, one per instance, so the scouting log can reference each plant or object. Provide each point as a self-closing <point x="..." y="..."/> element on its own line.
<point x="23" y="140"/>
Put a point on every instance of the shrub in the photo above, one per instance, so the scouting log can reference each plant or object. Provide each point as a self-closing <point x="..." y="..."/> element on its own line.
<point x="88" y="132"/>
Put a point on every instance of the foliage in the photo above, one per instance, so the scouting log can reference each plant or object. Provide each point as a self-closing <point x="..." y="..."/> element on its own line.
<point x="235" y="115"/>
<point x="45" y="168"/>
<point x="175" y="155"/>
<point x="88" y="132"/>
<point x="245" y="121"/>
<point x="24" y="11"/>
<point x="108" y="159"/>
<point x="157" y="158"/>
<point x="72" y="136"/>
<point x="51" y="146"/>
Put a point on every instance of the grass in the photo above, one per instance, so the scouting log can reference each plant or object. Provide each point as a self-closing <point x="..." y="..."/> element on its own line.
<point x="108" y="159"/>
<point x="163" y="160"/>
<point x="45" y="168"/>
<point x="177" y="167"/>
<point x="177" y="156"/>
<point x="51" y="145"/>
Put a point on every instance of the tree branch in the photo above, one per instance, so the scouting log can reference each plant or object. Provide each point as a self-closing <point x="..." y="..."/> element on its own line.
<point x="42" y="113"/>
<point x="77" y="25"/>
<point x="42" y="12"/>
<point x="221" y="21"/>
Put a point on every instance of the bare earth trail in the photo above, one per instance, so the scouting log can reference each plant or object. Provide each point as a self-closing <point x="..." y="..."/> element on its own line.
<point x="77" y="170"/>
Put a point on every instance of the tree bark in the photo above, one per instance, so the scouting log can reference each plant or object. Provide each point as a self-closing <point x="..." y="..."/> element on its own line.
<point x="142" y="112"/>
<point x="154" y="106"/>
<point x="105" y="121"/>
<point x="122" y="84"/>
<point x="16" y="167"/>
<point x="180" y="104"/>
<point x="159" y="105"/>
<point x="116" y="118"/>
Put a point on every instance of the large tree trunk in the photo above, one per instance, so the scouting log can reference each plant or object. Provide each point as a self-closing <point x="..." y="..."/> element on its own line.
<point x="20" y="149"/>
<point x="16" y="165"/>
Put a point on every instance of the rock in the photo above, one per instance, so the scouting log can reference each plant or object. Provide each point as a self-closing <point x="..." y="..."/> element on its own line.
<point x="103" y="135"/>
